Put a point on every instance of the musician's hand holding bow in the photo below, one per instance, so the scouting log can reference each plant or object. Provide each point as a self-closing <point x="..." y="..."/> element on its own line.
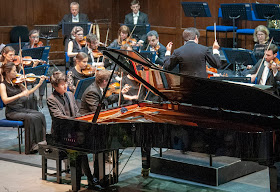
<point x="42" y="79"/>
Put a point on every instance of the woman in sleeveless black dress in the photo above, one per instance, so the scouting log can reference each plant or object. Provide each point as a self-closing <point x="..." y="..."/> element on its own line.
<point x="15" y="98"/>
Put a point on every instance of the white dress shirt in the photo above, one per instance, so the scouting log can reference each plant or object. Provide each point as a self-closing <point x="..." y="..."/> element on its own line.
<point x="135" y="18"/>
<point x="75" y="19"/>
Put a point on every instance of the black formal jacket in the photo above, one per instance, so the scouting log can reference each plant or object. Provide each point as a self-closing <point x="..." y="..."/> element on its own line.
<point x="142" y="19"/>
<point x="192" y="58"/>
<point x="160" y="53"/>
<point x="271" y="80"/>
<point x="68" y="19"/>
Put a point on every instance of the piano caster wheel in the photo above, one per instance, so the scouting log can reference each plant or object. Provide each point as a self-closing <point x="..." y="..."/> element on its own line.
<point x="145" y="172"/>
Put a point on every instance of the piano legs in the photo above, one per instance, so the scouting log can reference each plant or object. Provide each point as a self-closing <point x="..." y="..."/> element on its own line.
<point x="273" y="178"/>
<point x="146" y="161"/>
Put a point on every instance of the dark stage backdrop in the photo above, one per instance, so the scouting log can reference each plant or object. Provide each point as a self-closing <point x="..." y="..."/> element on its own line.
<point x="165" y="16"/>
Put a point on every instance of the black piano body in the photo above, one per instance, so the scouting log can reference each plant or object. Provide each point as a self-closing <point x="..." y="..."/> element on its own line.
<point x="227" y="119"/>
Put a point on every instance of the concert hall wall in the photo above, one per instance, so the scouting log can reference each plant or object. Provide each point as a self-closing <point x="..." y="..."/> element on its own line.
<point x="165" y="16"/>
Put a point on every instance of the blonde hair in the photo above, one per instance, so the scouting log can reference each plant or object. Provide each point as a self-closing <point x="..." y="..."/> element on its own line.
<point x="76" y="29"/>
<point x="74" y="3"/>
<point x="263" y="29"/>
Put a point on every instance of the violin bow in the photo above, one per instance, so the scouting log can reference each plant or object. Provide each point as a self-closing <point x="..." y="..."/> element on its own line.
<point x="132" y="31"/>
<point x="107" y="36"/>
<point x="264" y="55"/>
<point x="22" y="67"/>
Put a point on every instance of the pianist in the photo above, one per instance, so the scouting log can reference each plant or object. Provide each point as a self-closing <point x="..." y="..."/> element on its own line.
<point x="61" y="103"/>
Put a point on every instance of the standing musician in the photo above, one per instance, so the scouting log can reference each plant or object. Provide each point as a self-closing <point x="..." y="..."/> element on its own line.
<point x="73" y="17"/>
<point x="123" y="34"/>
<point x="192" y="56"/>
<point x="155" y="45"/>
<point x="136" y="17"/>
<point x="62" y="104"/>
<point x="74" y="46"/>
<point x="15" y="97"/>
<point x="267" y="72"/>
<point x="76" y="74"/>
<point x="34" y="40"/>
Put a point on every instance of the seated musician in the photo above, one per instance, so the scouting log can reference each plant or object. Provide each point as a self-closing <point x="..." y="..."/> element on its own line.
<point x="94" y="56"/>
<point x="94" y="92"/>
<point x="155" y="45"/>
<point x="76" y="74"/>
<point x="261" y="36"/>
<point x="75" y="46"/>
<point x="123" y="34"/>
<point x="61" y="104"/>
<point x="192" y="57"/>
<point x="136" y="91"/>
<point x="8" y="54"/>
<point x="34" y="42"/>
<point x="15" y="97"/>
<point x="266" y="73"/>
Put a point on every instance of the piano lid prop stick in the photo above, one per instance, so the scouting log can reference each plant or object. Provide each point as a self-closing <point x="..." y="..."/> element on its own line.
<point x="139" y="91"/>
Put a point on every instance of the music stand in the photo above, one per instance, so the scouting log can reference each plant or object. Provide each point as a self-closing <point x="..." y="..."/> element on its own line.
<point x="266" y="11"/>
<point x="275" y="33"/>
<point x="196" y="9"/>
<point x="48" y="32"/>
<point x="67" y="27"/>
<point x="151" y="55"/>
<point x="240" y="58"/>
<point x="241" y="11"/>
<point x="139" y="31"/>
<point x="35" y="53"/>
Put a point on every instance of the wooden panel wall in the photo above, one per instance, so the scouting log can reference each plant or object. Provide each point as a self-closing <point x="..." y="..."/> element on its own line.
<point x="165" y="16"/>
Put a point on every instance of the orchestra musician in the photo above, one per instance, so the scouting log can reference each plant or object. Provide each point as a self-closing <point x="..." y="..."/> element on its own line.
<point x="123" y="34"/>
<point x="261" y="36"/>
<point x="62" y="104"/>
<point x="192" y="56"/>
<point x="74" y="46"/>
<point x="155" y="45"/>
<point x="15" y="97"/>
<point x="73" y="17"/>
<point x="75" y="74"/>
<point x="267" y="72"/>
<point x="94" y="92"/>
<point x="136" y="17"/>
<point x="34" y="40"/>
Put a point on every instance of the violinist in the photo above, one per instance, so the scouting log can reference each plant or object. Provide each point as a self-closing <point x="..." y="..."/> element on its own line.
<point x="192" y="57"/>
<point x="8" y="54"/>
<point x="94" y="56"/>
<point x="94" y="92"/>
<point x="155" y="45"/>
<point x="34" y="40"/>
<point x="76" y="74"/>
<point x="15" y="97"/>
<point x="268" y="73"/>
<point x="74" y="46"/>
<point x="123" y="35"/>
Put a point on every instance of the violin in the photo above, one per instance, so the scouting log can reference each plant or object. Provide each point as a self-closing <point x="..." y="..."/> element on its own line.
<point x="89" y="71"/>
<point x="96" y="53"/>
<point x="39" y="44"/>
<point x="83" y="41"/>
<point x="29" y="78"/>
<point x="113" y="88"/>
<point x="27" y="60"/>
<point x="129" y="41"/>
<point x="275" y="60"/>
<point x="211" y="71"/>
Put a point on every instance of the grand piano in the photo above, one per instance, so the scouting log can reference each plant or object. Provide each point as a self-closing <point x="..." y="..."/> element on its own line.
<point x="194" y="110"/>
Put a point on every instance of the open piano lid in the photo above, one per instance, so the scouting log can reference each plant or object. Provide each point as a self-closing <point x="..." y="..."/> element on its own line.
<point x="179" y="88"/>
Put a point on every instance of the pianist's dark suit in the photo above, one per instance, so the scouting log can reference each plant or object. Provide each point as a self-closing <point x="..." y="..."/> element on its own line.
<point x="142" y="19"/>
<point x="192" y="58"/>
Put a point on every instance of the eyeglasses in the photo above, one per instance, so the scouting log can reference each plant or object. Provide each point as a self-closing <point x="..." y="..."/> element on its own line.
<point x="81" y="34"/>
<point x="35" y="37"/>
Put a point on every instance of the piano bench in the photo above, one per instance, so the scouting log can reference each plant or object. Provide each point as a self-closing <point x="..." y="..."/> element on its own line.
<point x="50" y="152"/>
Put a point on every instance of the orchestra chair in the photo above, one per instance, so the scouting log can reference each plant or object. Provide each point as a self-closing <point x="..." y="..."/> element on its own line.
<point x="15" y="124"/>
<point x="248" y="31"/>
<point x="38" y="70"/>
<point x="219" y="28"/>
<point x="19" y="31"/>
<point x="82" y="85"/>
